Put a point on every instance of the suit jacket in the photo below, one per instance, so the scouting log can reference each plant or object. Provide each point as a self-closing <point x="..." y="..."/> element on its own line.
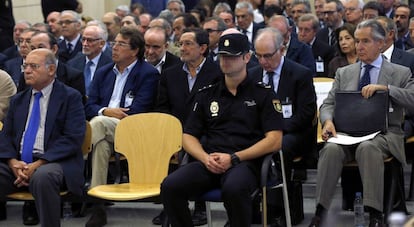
<point x="79" y="62"/>
<point x="401" y="95"/>
<point x="13" y="68"/>
<point x="64" y="132"/>
<point x="325" y="52"/>
<point x="64" y="56"/>
<point x="170" y="61"/>
<point x="66" y="74"/>
<point x="11" y="52"/>
<point x="301" y="53"/>
<point x="403" y="58"/>
<point x="296" y="84"/>
<point x="323" y="35"/>
<point x="141" y="86"/>
<point x="7" y="90"/>
<point x="174" y="96"/>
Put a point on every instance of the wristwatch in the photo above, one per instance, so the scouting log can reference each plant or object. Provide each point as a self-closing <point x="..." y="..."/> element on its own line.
<point x="235" y="160"/>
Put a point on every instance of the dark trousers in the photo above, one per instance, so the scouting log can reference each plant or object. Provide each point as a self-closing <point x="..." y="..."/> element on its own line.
<point x="45" y="185"/>
<point x="193" y="179"/>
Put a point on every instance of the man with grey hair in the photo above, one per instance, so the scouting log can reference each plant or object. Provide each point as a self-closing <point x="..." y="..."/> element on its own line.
<point x="353" y="11"/>
<point x="71" y="32"/>
<point x="308" y="26"/>
<point x="299" y="7"/>
<point x="176" y="7"/>
<point x="214" y="27"/>
<point x="244" y="18"/>
<point x="92" y="57"/>
<point x="293" y="85"/>
<point x="371" y="74"/>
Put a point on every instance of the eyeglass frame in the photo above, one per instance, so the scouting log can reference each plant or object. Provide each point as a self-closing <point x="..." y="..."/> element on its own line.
<point x="33" y="66"/>
<point x="67" y="22"/>
<point x="329" y="12"/>
<point x="89" y="40"/>
<point x="266" y="57"/>
<point x="120" y="44"/>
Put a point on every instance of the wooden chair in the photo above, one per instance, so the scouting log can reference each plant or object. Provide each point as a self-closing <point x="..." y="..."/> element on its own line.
<point x="148" y="141"/>
<point x="86" y="148"/>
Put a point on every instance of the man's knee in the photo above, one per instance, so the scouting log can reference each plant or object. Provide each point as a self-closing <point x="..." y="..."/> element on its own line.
<point x="331" y="151"/>
<point x="45" y="176"/>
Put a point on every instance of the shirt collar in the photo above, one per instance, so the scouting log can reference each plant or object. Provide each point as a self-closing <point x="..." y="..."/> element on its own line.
<point x="127" y="69"/>
<point x="376" y="63"/>
<point x="388" y="52"/>
<point x="95" y="59"/>
<point x="185" y="68"/>
<point x="46" y="91"/>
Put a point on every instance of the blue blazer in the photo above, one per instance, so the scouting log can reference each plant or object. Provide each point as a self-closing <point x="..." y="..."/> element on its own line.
<point x="142" y="84"/>
<point x="64" y="131"/>
<point x="301" y="53"/>
<point x="13" y="68"/>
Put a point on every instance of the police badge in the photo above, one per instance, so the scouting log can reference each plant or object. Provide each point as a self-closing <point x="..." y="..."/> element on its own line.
<point x="214" y="108"/>
<point x="277" y="105"/>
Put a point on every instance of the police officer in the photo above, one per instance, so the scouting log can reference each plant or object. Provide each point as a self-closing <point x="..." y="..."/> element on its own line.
<point x="239" y="122"/>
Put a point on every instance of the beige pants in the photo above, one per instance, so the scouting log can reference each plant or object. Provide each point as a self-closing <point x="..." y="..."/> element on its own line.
<point x="103" y="131"/>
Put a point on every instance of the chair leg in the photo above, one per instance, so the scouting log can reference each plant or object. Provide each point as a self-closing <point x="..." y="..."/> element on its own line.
<point x="264" y="206"/>
<point x="285" y="191"/>
<point x="208" y="214"/>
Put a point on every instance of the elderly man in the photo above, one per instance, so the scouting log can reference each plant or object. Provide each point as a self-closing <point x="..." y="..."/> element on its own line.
<point x="39" y="121"/>
<point x="353" y="11"/>
<point x="126" y="87"/>
<point x="215" y="27"/>
<point x="255" y="130"/>
<point x="71" y="32"/>
<point x="373" y="73"/>
<point x="244" y="19"/>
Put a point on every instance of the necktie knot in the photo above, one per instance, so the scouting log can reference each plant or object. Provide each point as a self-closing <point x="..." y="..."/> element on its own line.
<point x="69" y="47"/>
<point x="37" y="95"/>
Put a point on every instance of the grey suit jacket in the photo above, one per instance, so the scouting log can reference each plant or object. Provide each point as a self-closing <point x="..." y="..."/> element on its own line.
<point x="401" y="93"/>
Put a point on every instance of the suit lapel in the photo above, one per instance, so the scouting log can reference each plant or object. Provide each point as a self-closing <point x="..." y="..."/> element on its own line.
<point x="23" y="111"/>
<point x="385" y="74"/>
<point x="55" y="101"/>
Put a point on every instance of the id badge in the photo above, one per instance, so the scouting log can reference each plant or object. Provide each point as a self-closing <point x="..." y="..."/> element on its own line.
<point x="287" y="109"/>
<point x="129" y="97"/>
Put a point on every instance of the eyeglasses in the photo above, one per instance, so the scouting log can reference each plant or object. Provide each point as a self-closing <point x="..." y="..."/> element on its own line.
<point x="297" y="11"/>
<point x="66" y="22"/>
<point x="265" y="56"/>
<point x="350" y="9"/>
<point x="329" y="12"/>
<point x="120" y="44"/>
<point x="89" y="40"/>
<point x="209" y="30"/>
<point x="33" y="66"/>
<point x="21" y="40"/>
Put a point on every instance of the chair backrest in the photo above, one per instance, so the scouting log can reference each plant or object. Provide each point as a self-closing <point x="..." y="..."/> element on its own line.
<point x="322" y="87"/>
<point x="148" y="141"/>
<point x="1" y="125"/>
<point x="87" y="141"/>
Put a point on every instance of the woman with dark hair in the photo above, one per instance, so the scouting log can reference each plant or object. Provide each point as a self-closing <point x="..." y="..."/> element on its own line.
<point x="346" y="46"/>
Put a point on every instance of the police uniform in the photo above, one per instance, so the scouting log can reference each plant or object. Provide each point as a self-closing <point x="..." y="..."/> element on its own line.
<point x="227" y="123"/>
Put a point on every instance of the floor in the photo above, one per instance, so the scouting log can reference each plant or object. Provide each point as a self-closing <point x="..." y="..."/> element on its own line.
<point x="140" y="214"/>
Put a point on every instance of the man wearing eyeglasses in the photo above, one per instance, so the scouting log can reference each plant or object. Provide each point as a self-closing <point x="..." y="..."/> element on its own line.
<point x="215" y="27"/>
<point x="92" y="57"/>
<point x="293" y="86"/>
<point x="128" y="86"/>
<point x="333" y="11"/>
<point x="40" y="120"/>
<point x="71" y="29"/>
<point x="353" y="11"/>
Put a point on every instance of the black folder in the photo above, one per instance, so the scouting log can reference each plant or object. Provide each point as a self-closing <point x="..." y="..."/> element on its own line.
<point x="358" y="116"/>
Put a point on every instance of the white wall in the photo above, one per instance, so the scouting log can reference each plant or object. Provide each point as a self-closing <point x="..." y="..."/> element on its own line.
<point x="30" y="9"/>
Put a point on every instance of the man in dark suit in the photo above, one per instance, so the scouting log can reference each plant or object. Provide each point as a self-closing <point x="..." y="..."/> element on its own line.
<point x="53" y="160"/>
<point x="69" y="76"/>
<point x="308" y="25"/>
<point x="156" y="49"/>
<point x="128" y="86"/>
<point x="13" y="51"/>
<point x="379" y="75"/>
<point x="245" y="20"/>
<point x="179" y="85"/>
<point x="294" y="49"/>
<point x="71" y="45"/>
<point x="401" y="19"/>
<point x="13" y="66"/>
<point x="295" y="93"/>
<point x="334" y="12"/>
<point x="92" y="57"/>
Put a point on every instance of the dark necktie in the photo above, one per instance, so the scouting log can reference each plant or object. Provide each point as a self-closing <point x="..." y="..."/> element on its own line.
<point x="270" y="75"/>
<point x="365" y="79"/>
<point x="332" y="39"/>
<point x="69" y="47"/>
<point x="88" y="75"/>
<point x="31" y="130"/>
